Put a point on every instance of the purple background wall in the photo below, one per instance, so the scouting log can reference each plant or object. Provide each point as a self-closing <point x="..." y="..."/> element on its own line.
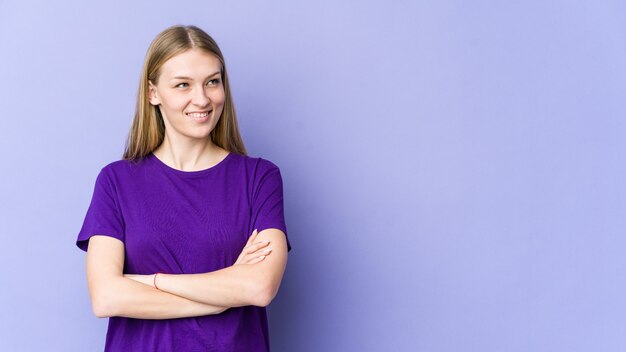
<point x="454" y="171"/>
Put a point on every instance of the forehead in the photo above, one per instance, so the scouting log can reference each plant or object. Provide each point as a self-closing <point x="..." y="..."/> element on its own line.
<point x="191" y="63"/>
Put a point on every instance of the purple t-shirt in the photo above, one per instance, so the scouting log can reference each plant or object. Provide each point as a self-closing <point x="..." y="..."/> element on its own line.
<point x="186" y="222"/>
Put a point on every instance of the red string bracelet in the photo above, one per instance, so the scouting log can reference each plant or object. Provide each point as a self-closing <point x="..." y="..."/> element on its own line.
<point x="155" y="285"/>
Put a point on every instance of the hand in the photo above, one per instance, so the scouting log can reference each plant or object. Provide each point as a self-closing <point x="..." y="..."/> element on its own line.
<point x="253" y="252"/>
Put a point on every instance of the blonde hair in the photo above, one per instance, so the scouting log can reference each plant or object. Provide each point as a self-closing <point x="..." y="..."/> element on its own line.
<point x="148" y="130"/>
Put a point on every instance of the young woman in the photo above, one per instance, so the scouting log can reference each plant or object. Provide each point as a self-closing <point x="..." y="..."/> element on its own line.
<point x="185" y="236"/>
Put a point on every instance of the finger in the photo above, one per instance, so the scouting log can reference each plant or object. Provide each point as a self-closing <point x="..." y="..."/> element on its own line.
<point x="254" y="256"/>
<point x="253" y="236"/>
<point x="256" y="246"/>
<point x="265" y="252"/>
<point x="257" y="259"/>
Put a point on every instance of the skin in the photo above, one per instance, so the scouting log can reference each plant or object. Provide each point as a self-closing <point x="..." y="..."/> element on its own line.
<point x="235" y="286"/>
<point x="255" y="277"/>
<point x="186" y="145"/>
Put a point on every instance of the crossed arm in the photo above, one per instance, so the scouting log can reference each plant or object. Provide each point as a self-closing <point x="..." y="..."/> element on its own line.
<point x="184" y="295"/>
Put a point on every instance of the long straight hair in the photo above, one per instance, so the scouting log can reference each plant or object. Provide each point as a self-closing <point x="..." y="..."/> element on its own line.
<point x="148" y="129"/>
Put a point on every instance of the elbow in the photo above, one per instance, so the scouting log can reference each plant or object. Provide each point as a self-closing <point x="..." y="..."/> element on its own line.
<point x="102" y="305"/>
<point x="100" y="313"/>
<point x="264" y="295"/>
<point x="101" y="309"/>
<point x="265" y="300"/>
<point x="262" y="300"/>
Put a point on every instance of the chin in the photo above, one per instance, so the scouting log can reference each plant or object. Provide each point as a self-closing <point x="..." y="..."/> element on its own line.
<point x="197" y="135"/>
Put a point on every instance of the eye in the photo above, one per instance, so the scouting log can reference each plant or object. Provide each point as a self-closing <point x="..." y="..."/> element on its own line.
<point x="213" y="82"/>
<point x="180" y="85"/>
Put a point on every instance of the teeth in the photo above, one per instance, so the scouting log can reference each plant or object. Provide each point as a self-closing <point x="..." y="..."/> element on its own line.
<point x="198" y="114"/>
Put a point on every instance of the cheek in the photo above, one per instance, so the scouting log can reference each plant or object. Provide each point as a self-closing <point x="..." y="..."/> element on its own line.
<point x="174" y="103"/>
<point x="218" y="97"/>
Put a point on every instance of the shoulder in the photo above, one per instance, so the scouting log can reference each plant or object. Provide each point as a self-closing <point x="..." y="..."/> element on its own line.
<point x="257" y="165"/>
<point x="118" y="170"/>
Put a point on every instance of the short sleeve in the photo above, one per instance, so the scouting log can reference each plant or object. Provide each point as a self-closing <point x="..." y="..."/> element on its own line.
<point x="104" y="216"/>
<point x="267" y="200"/>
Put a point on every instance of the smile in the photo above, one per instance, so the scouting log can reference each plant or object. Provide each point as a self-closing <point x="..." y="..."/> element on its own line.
<point x="199" y="115"/>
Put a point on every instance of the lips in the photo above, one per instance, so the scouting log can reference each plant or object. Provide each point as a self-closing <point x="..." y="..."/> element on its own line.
<point x="199" y="114"/>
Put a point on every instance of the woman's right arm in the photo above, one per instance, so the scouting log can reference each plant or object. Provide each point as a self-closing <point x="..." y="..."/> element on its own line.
<point x="112" y="294"/>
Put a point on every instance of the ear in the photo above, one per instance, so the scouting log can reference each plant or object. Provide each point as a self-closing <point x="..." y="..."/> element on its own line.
<point x="152" y="94"/>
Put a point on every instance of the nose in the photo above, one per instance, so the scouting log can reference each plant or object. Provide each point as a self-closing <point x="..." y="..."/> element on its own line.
<point x="200" y="98"/>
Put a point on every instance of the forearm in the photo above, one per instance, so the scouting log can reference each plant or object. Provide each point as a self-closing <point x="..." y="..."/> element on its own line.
<point x="127" y="298"/>
<point x="234" y="286"/>
<point x="253" y="284"/>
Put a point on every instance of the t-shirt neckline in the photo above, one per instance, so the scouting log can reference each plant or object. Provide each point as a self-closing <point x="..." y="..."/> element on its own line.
<point x="182" y="173"/>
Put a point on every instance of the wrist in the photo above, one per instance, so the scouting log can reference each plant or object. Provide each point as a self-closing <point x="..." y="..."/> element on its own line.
<point x="154" y="281"/>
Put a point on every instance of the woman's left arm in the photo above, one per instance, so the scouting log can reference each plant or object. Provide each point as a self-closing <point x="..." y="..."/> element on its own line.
<point x="235" y="286"/>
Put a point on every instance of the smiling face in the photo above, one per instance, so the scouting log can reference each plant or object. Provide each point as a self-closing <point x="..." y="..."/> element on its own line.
<point x="189" y="93"/>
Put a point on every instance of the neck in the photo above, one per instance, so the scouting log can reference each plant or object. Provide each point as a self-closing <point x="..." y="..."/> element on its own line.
<point x="189" y="155"/>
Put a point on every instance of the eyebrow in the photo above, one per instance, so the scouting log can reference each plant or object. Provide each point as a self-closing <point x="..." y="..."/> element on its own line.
<point x="189" y="78"/>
